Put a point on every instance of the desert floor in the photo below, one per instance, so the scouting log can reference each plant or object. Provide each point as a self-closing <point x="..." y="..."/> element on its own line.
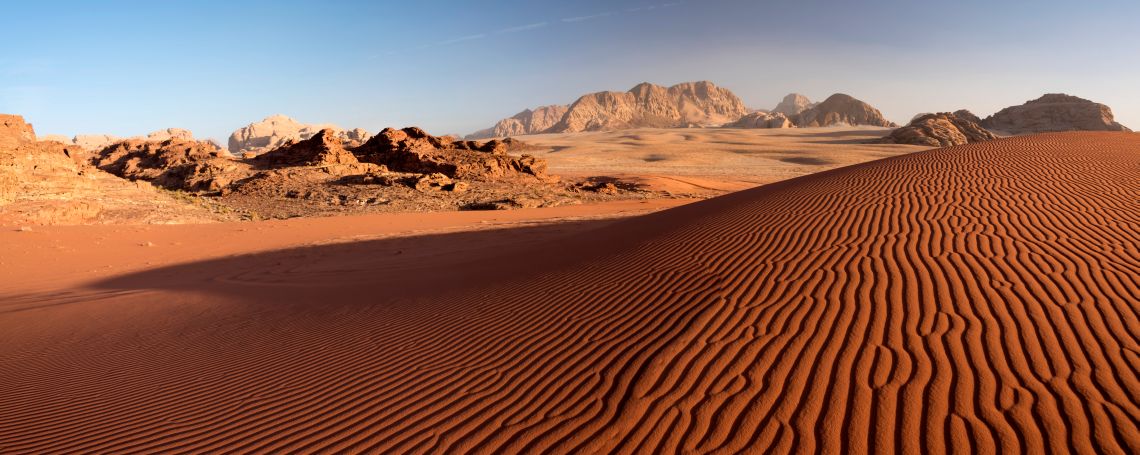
<point x="709" y="161"/>
<point x="974" y="298"/>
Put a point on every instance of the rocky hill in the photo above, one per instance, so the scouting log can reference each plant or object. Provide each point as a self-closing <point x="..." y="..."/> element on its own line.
<point x="940" y="130"/>
<point x="1054" y="112"/>
<point x="648" y="105"/>
<point x="793" y="104"/>
<point x="278" y="130"/>
<point x="526" y="122"/>
<point x="841" y="109"/>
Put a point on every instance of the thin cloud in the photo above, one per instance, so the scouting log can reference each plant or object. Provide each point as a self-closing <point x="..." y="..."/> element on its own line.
<point x="523" y="28"/>
<point x="462" y="39"/>
<point x="586" y="18"/>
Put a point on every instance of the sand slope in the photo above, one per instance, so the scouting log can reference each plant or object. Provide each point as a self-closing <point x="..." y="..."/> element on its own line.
<point x="982" y="297"/>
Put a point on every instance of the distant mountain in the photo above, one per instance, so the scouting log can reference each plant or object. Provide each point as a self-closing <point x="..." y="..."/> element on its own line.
<point x="841" y="109"/>
<point x="278" y="130"/>
<point x="646" y="105"/>
<point x="1054" y="112"/>
<point x="525" y="122"/>
<point x="793" y="104"/>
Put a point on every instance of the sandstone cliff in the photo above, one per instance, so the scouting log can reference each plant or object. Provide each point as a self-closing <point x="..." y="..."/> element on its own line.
<point x="1054" y="112"/>
<point x="649" y="105"/>
<point x="526" y="122"/>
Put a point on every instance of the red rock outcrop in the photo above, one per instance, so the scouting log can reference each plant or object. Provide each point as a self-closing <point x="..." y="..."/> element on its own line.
<point x="1054" y="112"/>
<point x="322" y="149"/>
<point x="414" y="150"/>
<point x="939" y="130"/>
<point x="841" y="109"/>
<point x="173" y="164"/>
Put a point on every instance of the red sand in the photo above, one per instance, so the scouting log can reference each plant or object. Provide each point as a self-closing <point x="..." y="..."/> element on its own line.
<point x="976" y="298"/>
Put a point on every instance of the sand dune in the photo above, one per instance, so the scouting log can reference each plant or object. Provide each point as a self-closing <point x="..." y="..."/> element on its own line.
<point x="976" y="298"/>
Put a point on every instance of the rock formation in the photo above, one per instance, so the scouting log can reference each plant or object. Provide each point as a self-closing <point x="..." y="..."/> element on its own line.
<point x="762" y="120"/>
<point x="793" y="104"/>
<point x="51" y="182"/>
<point x="840" y="109"/>
<point x="323" y="149"/>
<point x="1054" y="112"/>
<point x="526" y="122"/>
<point x="175" y="164"/>
<point x="413" y="150"/>
<point x="170" y="133"/>
<point x="648" y="105"/>
<point x="939" y="130"/>
<point x="967" y="115"/>
<point x="277" y="130"/>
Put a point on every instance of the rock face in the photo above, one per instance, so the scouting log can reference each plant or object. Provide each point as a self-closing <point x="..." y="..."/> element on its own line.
<point x="1054" y="112"/>
<point x="170" y="133"/>
<point x="762" y="120"/>
<point x="323" y="149"/>
<point x="15" y="131"/>
<point x="175" y="164"/>
<point x="526" y="122"/>
<point x="939" y="130"/>
<point x="840" y="109"/>
<point x="414" y="150"/>
<point x="793" y="104"/>
<point x="648" y="105"/>
<point x="51" y="182"/>
<point x="967" y="115"/>
<point x="277" y="130"/>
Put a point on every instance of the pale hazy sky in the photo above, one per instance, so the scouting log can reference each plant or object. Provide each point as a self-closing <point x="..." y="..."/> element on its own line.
<point x="127" y="68"/>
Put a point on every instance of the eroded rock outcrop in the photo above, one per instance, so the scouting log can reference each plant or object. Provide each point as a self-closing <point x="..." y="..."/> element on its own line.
<point x="323" y="149"/>
<point x="841" y="109"/>
<point x="762" y="120"/>
<point x="526" y="122"/>
<point x="1054" y="112"/>
<point x="414" y="150"/>
<point x="278" y="130"/>
<point x="649" y="105"/>
<point x="939" y="130"/>
<point x="176" y="164"/>
<point x="793" y="104"/>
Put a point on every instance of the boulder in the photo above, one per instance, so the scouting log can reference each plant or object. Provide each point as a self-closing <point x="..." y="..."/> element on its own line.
<point x="841" y="109"/>
<point x="1054" y="112"/>
<point x="939" y="130"/>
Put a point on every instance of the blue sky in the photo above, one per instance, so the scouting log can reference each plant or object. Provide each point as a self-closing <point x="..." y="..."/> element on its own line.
<point x="129" y="67"/>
